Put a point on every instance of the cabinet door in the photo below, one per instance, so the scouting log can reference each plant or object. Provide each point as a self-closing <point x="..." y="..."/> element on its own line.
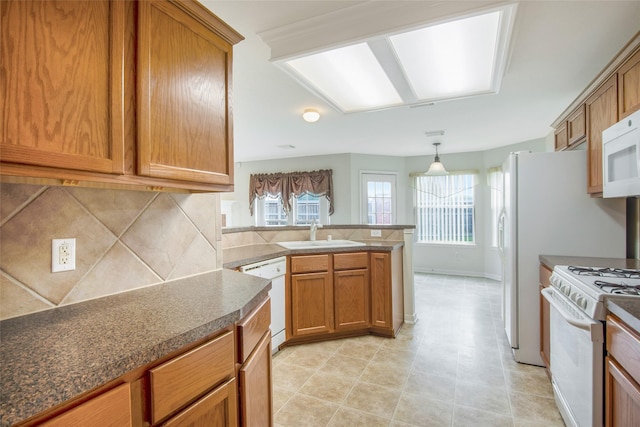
<point x="629" y="86"/>
<point x="351" y="298"/>
<point x="561" y="137"/>
<point x="576" y="122"/>
<point x="217" y="409"/>
<point x="184" y="83"/>
<point x="602" y="112"/>
<point x="622" y="397"/>
<point x="381" y="298"/>
<point x="111" y="409"/>
<point x="311" y="304"/>
<point x="256" y="401"/>
<point x="61" y="72"/>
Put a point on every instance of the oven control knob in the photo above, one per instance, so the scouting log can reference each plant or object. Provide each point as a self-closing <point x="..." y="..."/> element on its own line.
<point x="584" y="304"/>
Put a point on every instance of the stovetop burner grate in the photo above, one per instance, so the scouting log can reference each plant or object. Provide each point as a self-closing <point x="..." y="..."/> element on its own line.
<point x="617" y="288"/>
<point x="605" y="272"/>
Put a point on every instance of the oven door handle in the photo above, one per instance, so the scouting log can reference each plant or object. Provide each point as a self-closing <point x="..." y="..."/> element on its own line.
<point x="593" y="327"/>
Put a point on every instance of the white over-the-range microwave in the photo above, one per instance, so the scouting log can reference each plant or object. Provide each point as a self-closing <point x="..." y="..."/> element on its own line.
<point x="621" y="158"/>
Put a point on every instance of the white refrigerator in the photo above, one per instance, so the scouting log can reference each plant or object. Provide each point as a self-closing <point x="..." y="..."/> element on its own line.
<point x="547" y="211"/>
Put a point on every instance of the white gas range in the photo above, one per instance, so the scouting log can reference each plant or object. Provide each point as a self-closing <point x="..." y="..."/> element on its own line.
<point x="577" y="297"/>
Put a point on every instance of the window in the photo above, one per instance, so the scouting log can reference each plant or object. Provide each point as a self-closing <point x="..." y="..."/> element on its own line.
<point x="270" y="211"/>
<point x="306" y="208"/>
<point x="273" y="212"/>
<point x="378" y="198"/>
<point x="494" y="178"/>
<point x="445" y="211"/>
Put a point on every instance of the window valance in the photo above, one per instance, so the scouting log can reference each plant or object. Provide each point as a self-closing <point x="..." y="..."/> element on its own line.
<point x="296" y="184"/>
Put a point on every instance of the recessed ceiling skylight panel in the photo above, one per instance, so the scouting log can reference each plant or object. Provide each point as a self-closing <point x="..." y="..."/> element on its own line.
<point x="443" y="61"/>
<point x="350" y="76"/>
<point x="449" y="60"/>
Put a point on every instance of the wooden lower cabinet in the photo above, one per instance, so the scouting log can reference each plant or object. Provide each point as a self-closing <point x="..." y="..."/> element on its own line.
<point x="110" y="409"/>
<point x="216" y="409"/>
<point x="344" y="294"/>
<point x="545" y="341"/>
<point x="225" y="381"/>
<point x="622" y="395"/>
<point x="256" y="389"/>
<point x="181" y="380"/>
<point x="311" y="303"/>
<point x="622" y="375"/>
<point x="351" y="298"/>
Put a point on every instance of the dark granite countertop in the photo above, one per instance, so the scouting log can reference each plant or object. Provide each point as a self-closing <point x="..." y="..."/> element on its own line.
<point x="238" y="256"/>
<point x="552" y="260"/>
<point x="49" y="357"/>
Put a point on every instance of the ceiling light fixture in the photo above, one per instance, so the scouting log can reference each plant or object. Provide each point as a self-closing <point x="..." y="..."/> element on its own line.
<point x="437" y="168"/>
<point x="310" y="115"/>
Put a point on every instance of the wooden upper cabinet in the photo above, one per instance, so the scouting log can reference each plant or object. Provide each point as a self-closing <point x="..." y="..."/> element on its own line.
<point x="601" y="112"/>
<point x="629" y="86"/>
<point x="116" y="93"/>
<point x="184" y="79"/>
<point x="61" y="74"/>
<point x="576" y="126"/>
<point x="561" y="137"/>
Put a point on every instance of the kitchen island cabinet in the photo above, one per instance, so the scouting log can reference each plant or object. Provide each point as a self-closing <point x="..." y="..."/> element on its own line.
<point x="111" y="101"/>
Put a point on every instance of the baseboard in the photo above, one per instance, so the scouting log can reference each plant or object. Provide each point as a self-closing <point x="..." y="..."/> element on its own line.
<point x="480" y="274"/>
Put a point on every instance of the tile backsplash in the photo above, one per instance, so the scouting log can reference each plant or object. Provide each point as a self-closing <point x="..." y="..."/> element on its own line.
<point x="124" y="240"/>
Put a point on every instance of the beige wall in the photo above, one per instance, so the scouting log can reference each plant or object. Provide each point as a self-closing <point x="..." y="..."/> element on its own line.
<point x="124" y="240"/>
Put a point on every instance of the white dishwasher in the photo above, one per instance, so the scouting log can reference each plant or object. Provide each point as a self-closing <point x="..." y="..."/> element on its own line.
<point x="273" y="269"/>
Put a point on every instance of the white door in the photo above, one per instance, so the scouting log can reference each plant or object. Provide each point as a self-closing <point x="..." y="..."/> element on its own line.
<point x="378" y="198"/>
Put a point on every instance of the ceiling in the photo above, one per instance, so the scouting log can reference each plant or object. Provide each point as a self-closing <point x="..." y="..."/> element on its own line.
<point x="557" y="49"/>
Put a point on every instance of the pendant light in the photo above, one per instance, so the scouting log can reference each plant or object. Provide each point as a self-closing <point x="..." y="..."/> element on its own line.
<point x="436" y="168"/>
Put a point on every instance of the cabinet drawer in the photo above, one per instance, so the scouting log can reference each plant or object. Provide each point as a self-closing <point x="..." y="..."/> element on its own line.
<point x="112" y="408"/>
<point x="624" y="345"/>
<point x="181" y="380"/>
<point x="350" y="261"/>
<point x="252" y="328"/>
<point x="309" y="263"/>
<point x="218" y="408"/>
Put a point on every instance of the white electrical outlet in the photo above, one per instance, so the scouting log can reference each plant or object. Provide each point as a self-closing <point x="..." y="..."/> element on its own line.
<point x="376" y="233"/>
<point x="63" y="255"/>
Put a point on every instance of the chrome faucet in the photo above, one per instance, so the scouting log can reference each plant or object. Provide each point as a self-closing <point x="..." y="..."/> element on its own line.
<point x="313" y="228"/>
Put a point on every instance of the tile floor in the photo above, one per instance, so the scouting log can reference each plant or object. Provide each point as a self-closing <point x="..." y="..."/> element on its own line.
<point x="452" y="368"/>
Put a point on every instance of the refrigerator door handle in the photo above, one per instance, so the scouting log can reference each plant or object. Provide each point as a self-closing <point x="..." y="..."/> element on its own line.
<point x="501" y="220"/>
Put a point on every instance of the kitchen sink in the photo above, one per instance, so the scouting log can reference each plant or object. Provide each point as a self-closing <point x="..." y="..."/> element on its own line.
<point x="312" y="244"/>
